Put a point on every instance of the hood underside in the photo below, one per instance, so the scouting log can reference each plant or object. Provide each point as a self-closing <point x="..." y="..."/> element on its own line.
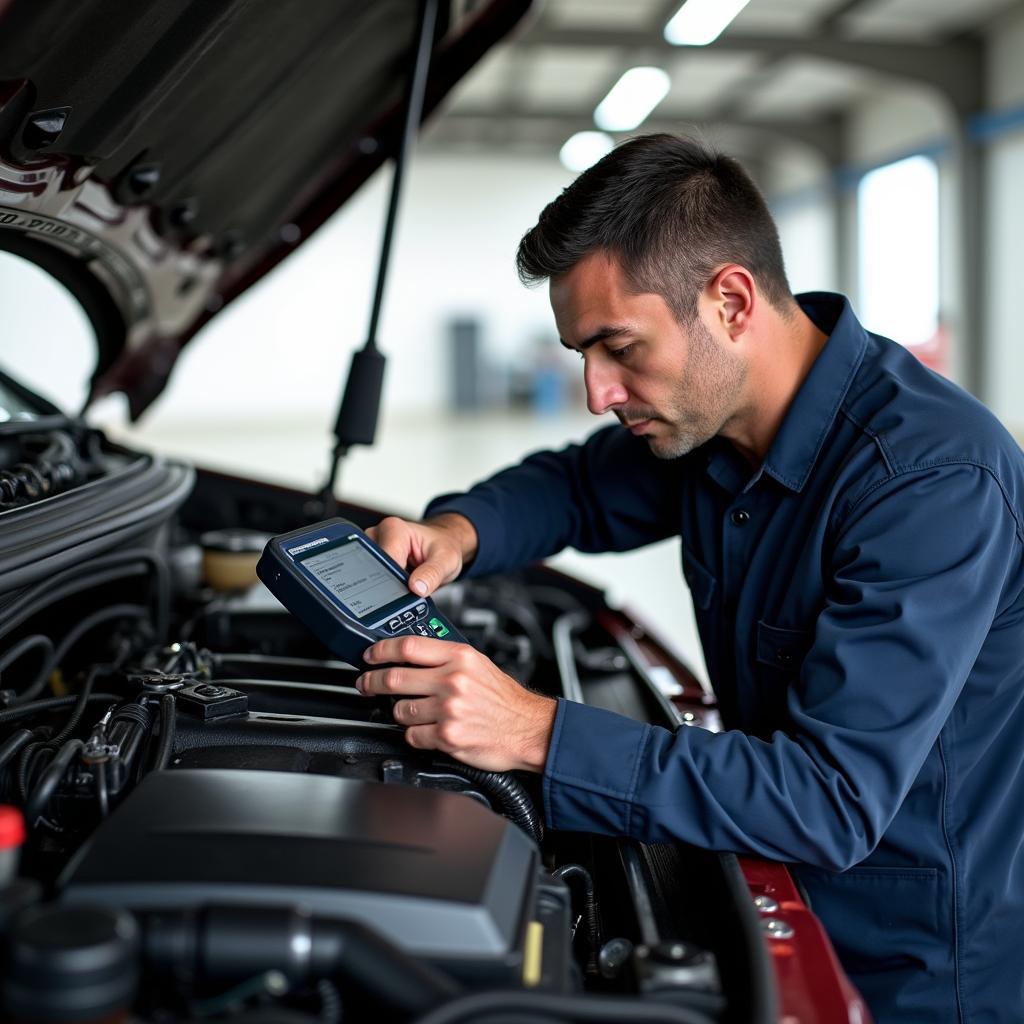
<point x="160" y="157"/>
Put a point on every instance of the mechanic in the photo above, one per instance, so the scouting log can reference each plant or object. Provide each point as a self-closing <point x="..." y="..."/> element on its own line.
<point x="852" y="540"/>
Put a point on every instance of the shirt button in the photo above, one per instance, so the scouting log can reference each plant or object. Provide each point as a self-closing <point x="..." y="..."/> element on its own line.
<point x="740" y="517"/>
<point x="784" y="656"/>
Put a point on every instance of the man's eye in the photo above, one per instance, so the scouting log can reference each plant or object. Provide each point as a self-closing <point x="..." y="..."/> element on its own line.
<point x="621" y="353"/>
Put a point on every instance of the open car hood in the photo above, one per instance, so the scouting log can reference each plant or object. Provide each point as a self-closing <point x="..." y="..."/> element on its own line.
<point x="160" y="157"/>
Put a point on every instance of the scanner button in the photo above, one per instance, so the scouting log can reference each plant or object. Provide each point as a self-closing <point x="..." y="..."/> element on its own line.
<point x="422" y="630"/>
<point x="421" y="609"/>
<point x="408" y="616"/>
<point x="395" y="624"/>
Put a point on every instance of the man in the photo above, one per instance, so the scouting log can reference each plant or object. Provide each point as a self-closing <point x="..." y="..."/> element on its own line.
<point x="852" y="538"/>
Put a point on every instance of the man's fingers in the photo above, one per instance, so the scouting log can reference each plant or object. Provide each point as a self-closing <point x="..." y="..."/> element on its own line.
<point x="417" y="711"/>
<point x="430" y="558"/>
<point x="424" y="651"/>
<point x="391" y="681"/>
<point x="426" y="578"/>
<point x="422" y="737"/>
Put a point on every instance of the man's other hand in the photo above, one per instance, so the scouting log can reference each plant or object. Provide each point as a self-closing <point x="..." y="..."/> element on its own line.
<point x="433" y="553"/>
<point x="464" y="704"/>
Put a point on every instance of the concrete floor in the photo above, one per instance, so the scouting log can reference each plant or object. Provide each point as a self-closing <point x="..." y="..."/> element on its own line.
<point x="412" y="461"/>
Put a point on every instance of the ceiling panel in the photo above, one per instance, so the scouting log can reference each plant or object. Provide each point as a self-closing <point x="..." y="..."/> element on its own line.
<point x="558" y="85"/>
<point x="803" y="86"/>
<point x="783" y="17"/>
<point x="916" y="19"/>
<point x="601" y="13"/>
<point x="700" y="77"/>
<point x="560" y="78"/>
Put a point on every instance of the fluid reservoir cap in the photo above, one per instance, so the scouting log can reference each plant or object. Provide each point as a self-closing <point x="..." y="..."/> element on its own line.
<point x="234" y="541"/>
<point x="12" y="827"/>
<point x="230" y="557"/>
<point x="68" y="964"/>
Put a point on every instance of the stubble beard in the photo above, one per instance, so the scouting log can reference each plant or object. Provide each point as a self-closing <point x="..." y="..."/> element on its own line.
<point x="702" y="399"/>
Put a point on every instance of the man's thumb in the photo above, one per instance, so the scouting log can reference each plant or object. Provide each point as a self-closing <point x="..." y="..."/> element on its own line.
<point x="425" y="578"/>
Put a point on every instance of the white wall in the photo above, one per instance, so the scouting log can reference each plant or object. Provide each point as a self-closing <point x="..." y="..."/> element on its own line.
<point x="798" y="189"/>
<point x="807" y="233"/>
<point x="282" y="350"/>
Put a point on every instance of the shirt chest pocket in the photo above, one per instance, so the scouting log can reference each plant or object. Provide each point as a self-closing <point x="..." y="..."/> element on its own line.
<point x="779" y="654"/>
<point x="782" y="649"/>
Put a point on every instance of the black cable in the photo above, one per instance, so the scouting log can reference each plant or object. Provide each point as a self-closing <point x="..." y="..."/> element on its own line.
<point x="28" y="602"/>
<point x="330" y="1002"/>
<point x="37" y="640"/>
<point x="166" y="745"/>
<point x="413" y="117"/>
<point x="26" y="766"/>
<point x="509" y="792"/>
<point x="40" y="425"/>
<point x="23" y="646"/>
<point x="10" y="746"/>
<point x="577" y="873"/>
<point x="36" y="804"/>
<point x="50" y="704"/>
<point x="602" y="1009"/>
<point x="80" y="705"/>
<point x="72" y="637"/>
<point x="356" y="422"/>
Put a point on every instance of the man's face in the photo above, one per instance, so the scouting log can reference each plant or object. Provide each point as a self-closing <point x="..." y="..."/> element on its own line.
<point x="674" y="386"/>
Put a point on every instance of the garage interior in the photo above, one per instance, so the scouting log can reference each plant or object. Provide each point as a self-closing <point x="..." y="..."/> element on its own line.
<point x="837" y="107"/>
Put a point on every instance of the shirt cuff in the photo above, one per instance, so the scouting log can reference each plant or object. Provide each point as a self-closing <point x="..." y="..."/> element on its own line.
<point x="592" y="768"/>
<point x="486" y="522"/>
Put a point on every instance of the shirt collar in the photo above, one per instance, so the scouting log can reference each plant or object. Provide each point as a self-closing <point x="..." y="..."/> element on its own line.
<point x="795" y="448"/>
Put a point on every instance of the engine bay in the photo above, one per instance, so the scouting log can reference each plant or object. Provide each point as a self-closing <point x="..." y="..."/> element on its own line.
<point x="220" y="827"/>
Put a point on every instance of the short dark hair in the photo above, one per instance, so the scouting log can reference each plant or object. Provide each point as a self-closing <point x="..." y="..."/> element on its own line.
<point x="671" y="210"/>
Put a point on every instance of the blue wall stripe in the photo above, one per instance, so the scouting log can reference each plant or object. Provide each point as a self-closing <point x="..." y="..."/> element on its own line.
<point x="985" y="127"/>
<point x="994" y="124"/>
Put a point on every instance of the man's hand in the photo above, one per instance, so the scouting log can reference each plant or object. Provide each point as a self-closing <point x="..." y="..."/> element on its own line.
<point x="434" y="552"/>
<point x="466" y="706"/>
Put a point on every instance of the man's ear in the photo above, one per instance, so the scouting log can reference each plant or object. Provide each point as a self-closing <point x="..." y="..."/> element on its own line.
<point x="733" y="295"/>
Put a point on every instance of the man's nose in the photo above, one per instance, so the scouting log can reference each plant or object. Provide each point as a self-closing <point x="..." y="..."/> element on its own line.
<point x="604" y="390"/>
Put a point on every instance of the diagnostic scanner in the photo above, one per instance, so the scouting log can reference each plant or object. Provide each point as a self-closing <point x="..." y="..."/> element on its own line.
<point x="346" y="589"/>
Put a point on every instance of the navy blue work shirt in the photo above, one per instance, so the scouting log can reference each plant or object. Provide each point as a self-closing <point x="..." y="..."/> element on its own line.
<point x="860" y="600"/>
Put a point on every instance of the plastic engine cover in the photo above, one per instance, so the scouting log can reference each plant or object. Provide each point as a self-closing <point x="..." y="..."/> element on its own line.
<point x="433" y="872"/>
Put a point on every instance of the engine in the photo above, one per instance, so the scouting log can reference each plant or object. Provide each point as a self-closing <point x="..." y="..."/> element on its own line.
<point x="219" y="826"/>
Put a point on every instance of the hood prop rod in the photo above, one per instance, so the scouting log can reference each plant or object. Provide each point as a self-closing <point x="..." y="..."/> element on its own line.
<point x="357" y="416"/>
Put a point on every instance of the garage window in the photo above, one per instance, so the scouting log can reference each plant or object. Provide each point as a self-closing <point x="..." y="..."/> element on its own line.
<point x="898" y="246"/>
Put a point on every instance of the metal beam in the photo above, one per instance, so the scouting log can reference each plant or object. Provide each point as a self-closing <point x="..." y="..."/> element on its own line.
<point x="971" y="332"/>
<point x="823" y="135"/>
<point x="954" y="67"/>
<point x="836" y="15"/>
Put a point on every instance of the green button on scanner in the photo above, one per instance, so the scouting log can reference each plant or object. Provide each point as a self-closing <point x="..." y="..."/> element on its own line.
<point x="439" y="628"/>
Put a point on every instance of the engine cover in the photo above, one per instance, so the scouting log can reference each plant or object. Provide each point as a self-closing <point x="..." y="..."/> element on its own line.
<point x="435" y="873"/>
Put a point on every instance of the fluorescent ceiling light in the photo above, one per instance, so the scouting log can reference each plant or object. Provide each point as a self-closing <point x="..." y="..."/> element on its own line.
<point x="699" y="22"/>
<point x="631" y="99"/>
<point x="584" y="149"/>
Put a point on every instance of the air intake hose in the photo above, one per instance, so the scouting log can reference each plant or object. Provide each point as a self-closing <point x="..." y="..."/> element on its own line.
<point x="228" y="944"/>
